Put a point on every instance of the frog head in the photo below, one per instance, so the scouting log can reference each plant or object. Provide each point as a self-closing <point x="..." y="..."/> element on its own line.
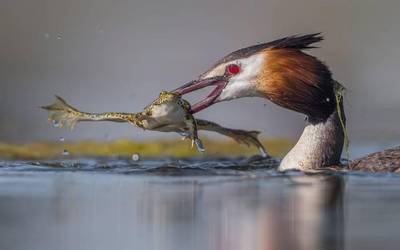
<point x="166" y="97"/>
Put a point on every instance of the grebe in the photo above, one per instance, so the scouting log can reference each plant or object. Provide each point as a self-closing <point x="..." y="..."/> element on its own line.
<point x="281" y="72"/>
<point x="168" y="113"/>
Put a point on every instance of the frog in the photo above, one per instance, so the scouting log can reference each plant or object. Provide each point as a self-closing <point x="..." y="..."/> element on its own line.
<point x="169" y="112"/>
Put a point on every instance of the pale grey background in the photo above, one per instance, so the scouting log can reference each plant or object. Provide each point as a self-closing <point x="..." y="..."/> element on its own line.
<point x="118" y="55"/>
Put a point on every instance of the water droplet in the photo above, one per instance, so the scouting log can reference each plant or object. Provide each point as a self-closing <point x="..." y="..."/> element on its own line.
<point x="328" y="99"/>
<point x="61" y="139"/>
<point x="135" y="157"/>
<point x="56" y="124"/>
<point x="59" y="37"/>
<point x="46" y="35"/>
<point x="65" y="152"/>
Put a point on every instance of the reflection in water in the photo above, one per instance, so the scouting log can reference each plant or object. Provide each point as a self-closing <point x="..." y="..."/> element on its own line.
<point x="317" y="210"/>
<point x="98" y="211"/>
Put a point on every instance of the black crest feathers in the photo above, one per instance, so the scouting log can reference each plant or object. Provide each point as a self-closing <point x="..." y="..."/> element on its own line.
<point x="299" y="42"/>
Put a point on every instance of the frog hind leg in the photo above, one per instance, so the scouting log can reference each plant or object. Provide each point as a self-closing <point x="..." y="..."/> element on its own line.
<point x="240" y="136"/>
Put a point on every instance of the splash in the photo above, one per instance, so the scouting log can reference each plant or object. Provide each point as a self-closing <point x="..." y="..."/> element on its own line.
<point x="135" y="157"/>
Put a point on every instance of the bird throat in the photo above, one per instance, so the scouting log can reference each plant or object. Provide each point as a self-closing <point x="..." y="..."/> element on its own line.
<point x="321" y="142"/>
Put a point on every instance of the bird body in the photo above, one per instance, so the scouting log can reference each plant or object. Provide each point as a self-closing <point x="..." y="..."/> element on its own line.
<point x="383" y="161"/>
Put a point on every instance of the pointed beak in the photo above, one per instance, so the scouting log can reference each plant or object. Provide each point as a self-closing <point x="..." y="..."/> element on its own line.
<point x="219" y="82"/>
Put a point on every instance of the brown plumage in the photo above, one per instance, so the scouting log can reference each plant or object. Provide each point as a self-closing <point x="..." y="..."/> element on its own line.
<point x="297" y="81"/>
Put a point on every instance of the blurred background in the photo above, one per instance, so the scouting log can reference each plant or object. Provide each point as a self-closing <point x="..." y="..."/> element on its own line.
<point x="118" y="55"/>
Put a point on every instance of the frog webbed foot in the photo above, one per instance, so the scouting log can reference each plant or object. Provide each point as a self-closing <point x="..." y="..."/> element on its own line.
<point x="194" y="140"/>
<point x="199" y="145"/>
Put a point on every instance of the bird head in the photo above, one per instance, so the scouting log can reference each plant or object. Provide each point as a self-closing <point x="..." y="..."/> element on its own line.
<point x="279" y="71"/>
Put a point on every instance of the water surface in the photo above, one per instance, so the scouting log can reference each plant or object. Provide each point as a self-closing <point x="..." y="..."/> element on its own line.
<point x="114" y="203"/>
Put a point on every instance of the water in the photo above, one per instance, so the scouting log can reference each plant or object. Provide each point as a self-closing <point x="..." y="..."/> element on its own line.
<point x="115" y="203"/>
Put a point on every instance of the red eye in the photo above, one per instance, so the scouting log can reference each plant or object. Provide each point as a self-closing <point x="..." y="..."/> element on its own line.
<point x="233" y="69"/>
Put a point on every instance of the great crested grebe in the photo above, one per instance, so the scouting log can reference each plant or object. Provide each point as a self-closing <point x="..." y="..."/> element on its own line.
<point x="281" y="72"/>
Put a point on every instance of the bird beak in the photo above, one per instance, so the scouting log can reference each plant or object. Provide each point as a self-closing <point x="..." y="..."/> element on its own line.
<point x="219" y="81"/>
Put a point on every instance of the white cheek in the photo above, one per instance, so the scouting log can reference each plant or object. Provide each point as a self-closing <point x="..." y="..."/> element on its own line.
<point x="237" y="90"/>
<point x="251" y="67"/>
<point x="245" y="83"/>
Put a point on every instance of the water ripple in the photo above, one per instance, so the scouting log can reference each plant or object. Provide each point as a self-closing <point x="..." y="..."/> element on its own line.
<point x="151" y="166"/>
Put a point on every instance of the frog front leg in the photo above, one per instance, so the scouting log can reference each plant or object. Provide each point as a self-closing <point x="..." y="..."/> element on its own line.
<point x="191" y="125"/>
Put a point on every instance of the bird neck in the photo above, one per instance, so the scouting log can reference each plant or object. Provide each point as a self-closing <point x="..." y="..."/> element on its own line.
<point x="320" y="144"/>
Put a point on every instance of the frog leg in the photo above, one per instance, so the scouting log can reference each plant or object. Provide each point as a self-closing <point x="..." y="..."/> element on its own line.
<point x="241" y="136"/>
<point x="64" y="115"/>
<point x="191" y="124"/>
